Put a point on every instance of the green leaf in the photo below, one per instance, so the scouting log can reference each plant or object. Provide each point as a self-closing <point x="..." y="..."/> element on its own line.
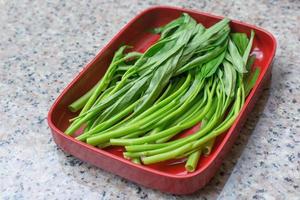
<point x="241" y="41"/>
<point x="250" y="62"/>
<point x="236" y="58"/>
<point x="164" y="72"/>
<point x="209" y="68"/>
<point x="128" y="98"/>
<point x="249" y="46"/>
<point x="252" y="80"/>
<point x="229" y="78"/>
<point x="215" y="40"/>
<point x="213" y="30"/>
<point x="171" y="25"/>
<point x="202" y="59"/>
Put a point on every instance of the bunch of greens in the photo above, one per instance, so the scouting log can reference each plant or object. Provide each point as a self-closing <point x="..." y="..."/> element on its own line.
<point x="191" y="75"/>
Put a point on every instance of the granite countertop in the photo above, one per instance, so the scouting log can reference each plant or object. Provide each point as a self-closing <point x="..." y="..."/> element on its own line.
<point x="44" y="44"/>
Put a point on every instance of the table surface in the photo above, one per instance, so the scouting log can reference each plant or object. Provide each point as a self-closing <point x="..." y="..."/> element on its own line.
<point x="44" y="44"/>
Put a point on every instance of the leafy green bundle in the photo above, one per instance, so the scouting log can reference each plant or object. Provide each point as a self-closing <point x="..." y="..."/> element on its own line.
<point x="191" y="75"/>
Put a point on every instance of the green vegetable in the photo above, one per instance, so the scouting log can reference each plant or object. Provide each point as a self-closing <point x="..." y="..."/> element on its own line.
<point x="207" y="147"/>
<point x="79" y="103"/>
<point x="192" y="161"/>
<point x="192" y="75"/>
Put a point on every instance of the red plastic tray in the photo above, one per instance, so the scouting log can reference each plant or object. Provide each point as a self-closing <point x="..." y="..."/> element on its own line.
<point x="168" y="177"/>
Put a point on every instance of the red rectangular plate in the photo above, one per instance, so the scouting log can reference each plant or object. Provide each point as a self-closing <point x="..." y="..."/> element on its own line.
<point x="169" y="176"/>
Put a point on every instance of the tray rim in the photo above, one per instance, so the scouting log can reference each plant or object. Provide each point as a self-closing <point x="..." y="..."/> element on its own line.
<point x="102" y="50"/>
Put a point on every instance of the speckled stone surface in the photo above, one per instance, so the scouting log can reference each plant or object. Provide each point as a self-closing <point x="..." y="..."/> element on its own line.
<point x="44" y="44"/>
